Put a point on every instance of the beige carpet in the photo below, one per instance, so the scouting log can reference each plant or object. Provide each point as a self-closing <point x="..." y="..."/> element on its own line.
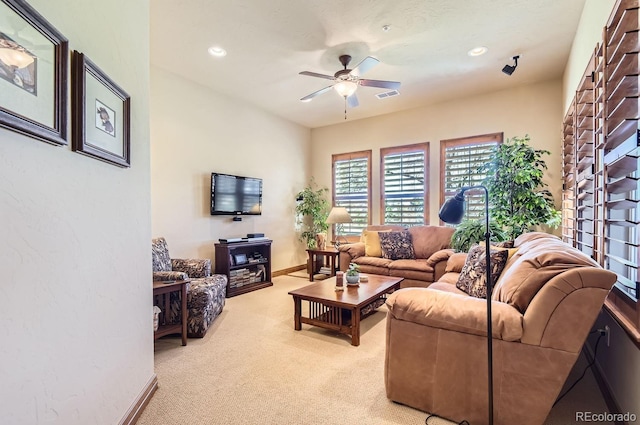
<point x="304" y="275"/>
<point x="253" y="368"/>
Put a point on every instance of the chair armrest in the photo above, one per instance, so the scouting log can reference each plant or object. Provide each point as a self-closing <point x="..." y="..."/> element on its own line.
<point x="164" y="276"/>
<point x="195" y="268"/>
<point x="438" y="261"/>
<point x="456" y="261"/>
<point x="349" y="252"/>
<point x="439" y="256"/>
<point x="455" y="312"/>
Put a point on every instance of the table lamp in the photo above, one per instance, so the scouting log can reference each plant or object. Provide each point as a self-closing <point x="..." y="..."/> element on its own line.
<point x="338" y="216"/>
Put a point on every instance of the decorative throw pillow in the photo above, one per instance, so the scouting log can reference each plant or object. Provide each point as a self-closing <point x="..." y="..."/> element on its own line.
<point x="396" y="245"/>
<point x="505" y="244"/>
<point x="473" y="277"/>
<point x="371" y="241"/>
<point x="498" y="246"/>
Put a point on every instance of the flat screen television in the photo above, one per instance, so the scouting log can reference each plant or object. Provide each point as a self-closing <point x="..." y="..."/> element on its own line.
<point x="235" y="195"/>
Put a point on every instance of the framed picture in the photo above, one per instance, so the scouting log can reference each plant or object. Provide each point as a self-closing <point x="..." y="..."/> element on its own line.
<point x="33" y="74"/>
<point x="240" y="259"/>
<point x="100" y="114"/>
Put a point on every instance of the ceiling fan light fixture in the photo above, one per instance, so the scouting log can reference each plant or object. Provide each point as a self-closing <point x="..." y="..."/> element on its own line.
<point x="345" y="88"/>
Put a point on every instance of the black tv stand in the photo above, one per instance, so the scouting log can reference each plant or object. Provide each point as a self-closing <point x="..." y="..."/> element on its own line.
<point x="247" y="265"/>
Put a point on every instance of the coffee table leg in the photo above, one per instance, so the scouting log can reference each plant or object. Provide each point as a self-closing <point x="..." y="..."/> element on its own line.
<point x="297" y="312"/>
<point x="355" y="326"/>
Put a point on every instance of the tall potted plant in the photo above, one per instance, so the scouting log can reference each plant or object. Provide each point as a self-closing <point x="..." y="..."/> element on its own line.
<point x="518" y="196"/>
<point x="471" y="232"/>
<point x="312" y="209"/>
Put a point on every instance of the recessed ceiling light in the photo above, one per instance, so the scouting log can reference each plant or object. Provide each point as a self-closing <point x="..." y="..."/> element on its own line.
<point x="217" y="51"/>
<point x="477" y="51"/>
<point x="386" y="28"/>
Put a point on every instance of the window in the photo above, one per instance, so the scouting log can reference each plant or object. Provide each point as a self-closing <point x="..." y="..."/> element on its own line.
<point x="459" y="162"/>
<point x="403" y="184"/>
<point x="352" y="188"/>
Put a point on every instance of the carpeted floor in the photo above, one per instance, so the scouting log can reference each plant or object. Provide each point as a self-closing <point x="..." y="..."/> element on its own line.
<point x="252" y="367"/>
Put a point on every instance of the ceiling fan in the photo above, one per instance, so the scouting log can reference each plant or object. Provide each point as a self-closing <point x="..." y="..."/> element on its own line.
<point x="348" y="80"/>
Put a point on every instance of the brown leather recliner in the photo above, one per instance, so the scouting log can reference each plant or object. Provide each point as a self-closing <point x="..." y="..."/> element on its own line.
<point x="543" y="307"/>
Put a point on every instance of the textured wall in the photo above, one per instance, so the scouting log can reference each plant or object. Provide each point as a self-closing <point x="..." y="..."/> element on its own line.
<point x="75" y="311"/>
<point x="196" y="131"/>
<point x="530" y="109"/>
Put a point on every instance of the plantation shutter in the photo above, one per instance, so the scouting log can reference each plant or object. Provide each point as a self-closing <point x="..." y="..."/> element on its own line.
<point x="404" y="187"/>
<point x="351" y="190"/>
<point x="461" y="162"/>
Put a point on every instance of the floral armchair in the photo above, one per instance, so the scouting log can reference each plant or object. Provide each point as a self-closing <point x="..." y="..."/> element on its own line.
<point x="205" y="293"/>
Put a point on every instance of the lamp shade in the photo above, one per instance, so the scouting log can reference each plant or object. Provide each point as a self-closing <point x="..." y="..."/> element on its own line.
<point x="452" y="210"/>
<point x="338" y="215"/>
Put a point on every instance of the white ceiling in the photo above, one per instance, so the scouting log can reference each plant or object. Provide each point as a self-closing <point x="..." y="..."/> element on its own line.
<point x="270" y="41"/>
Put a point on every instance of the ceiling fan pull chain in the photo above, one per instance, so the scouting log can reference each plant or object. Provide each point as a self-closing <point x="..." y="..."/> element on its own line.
<point x="345" y="108"/>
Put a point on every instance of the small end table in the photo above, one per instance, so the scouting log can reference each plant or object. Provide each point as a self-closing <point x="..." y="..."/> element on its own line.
<point x="165" y="289"/>
<point x="330" y="253"/>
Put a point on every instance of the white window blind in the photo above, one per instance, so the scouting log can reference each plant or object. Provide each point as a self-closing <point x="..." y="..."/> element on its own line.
<point x="460" y="169"/>
<point x="351" y="190"/>
<point x="404" y="187"/>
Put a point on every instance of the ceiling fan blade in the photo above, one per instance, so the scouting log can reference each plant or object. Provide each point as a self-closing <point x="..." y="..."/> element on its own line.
<point x="366" y="64"/>
<point x="315" y="74"/>
<point x="392" y="85"/>
<point x="315" y="93"/>
<point x="352" y="101"/>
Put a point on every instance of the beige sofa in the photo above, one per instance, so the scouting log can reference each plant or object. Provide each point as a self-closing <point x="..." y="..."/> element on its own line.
<point x="543" y="306"/>
<point x="430" y="245"/>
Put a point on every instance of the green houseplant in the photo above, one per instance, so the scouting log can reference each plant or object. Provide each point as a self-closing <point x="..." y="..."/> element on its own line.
<point x="518" y="196"/>
<point x="312" y="209"/>
<point x="471" y="232"/>
<point x="353" y="273"/>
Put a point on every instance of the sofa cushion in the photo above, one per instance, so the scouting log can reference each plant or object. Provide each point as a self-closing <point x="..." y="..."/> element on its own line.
<point x="429" y="239"/>
<point x="372" y="261"/>
<point x="418" y="265"/>
<point x="396" y="245"/>
<point x="412" y="269"/>
<point x="454" y="311"/>
<point x="473" y="277"/>
<point x="373" y="265"/>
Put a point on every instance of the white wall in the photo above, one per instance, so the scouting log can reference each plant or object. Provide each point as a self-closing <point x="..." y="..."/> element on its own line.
<point x="196" y="131"/>
<point x="75" y="311"/>
<point x="594" y="18"/>
<point x="533" y="109"/>
<point x="619" y="363"/>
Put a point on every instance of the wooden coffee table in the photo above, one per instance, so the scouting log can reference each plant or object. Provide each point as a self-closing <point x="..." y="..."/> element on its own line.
<point x="340" y="311"/>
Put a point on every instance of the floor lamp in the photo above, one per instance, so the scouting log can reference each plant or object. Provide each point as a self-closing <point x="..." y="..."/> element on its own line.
<point x="451" y="212"/>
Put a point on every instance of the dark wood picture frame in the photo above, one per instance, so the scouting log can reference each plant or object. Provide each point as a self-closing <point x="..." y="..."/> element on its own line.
<point x="54" y="132"/>
<point x="88" y="82"/>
